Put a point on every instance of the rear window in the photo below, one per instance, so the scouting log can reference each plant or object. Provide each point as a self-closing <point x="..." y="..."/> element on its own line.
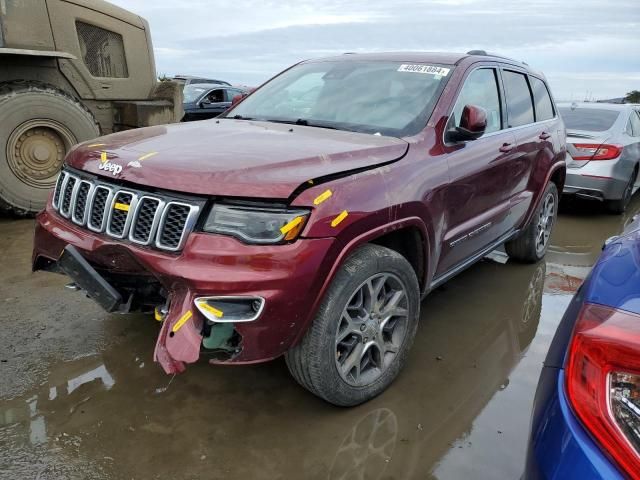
<point x="544" y="106"/>
<point x="519" y="103"/>
<point x="589" y="119"/>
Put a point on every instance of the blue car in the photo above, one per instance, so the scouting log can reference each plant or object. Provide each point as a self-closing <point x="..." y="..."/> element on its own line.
<point x="586" y="414"/>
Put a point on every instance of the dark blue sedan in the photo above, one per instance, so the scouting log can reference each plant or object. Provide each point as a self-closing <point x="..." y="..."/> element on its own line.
<point x="208" y="100"/>
<point x="586" y="414"/>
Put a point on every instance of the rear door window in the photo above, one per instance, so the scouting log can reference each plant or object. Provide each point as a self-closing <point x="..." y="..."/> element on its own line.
<point x="518" y="95"/>
<point x="541" y="99"/>
<point x="480" y="89"/>
<point x="588" y="119"/>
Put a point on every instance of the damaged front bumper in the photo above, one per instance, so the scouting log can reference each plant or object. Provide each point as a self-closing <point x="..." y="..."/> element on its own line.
<point x="218" y="298"/>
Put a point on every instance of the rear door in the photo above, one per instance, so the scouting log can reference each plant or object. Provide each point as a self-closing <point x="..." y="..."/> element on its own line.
<point x="477" y="199"/>
<point x="532" y="138"/>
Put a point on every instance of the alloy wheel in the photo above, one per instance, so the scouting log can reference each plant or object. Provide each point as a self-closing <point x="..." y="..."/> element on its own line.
<point x="371" y="329"/>
<point x="545" y="223"/>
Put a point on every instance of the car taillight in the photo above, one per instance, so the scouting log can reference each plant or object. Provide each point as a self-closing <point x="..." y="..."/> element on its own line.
<point x="603" y="381"/>
<point x="588" y="151"/>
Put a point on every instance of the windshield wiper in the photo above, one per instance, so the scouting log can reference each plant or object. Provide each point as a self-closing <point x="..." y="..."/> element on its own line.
<point x="304" y="122"/>
<point x="240" y="117"/>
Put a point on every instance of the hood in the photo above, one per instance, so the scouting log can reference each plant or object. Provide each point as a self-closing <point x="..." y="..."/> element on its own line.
<point x="232" y="157"/>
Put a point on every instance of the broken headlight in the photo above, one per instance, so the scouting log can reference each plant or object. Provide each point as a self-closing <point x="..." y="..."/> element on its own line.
<point x="260" y="225"/>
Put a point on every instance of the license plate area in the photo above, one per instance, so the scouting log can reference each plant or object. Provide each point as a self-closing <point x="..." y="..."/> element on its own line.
<point x="74" y="265"/>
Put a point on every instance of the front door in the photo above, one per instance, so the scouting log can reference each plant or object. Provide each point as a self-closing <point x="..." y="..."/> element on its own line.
<point x="477" y="198"/>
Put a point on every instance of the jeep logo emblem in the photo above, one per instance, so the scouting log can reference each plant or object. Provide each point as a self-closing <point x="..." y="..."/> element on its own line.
<point x="110" y="167"/>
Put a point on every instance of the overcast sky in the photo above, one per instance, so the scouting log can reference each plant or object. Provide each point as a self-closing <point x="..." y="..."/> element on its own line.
<point x="585" y="47"/>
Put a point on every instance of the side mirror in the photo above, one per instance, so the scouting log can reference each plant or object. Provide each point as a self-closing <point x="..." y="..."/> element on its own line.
<point x="204" y="102"/>
<point x="473" y="123"/>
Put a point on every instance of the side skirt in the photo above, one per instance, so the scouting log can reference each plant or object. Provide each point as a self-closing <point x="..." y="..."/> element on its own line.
<point x="470" y="261"/>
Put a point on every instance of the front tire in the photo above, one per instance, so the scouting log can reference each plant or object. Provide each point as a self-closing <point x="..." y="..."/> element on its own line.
<point x="532" y="244"/>
<point x="363" y="330"/>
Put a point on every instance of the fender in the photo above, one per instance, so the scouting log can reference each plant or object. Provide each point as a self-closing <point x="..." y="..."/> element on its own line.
<point x="359" y="240"/>
<point x="534" y="205"/>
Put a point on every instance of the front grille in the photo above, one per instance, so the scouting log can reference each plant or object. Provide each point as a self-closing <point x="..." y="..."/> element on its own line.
<point x="79" y="209"/>
<point x="173" y="222"/>
<point x="119" y="214"/>
<point x="98" y="207"/>
<point x="56" y="192"/>
<point x="145" y="219"/>
<point x="160" y="221"/>
<point x="67" y="194"/>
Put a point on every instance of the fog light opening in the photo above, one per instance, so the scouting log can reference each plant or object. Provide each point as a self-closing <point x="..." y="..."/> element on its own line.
<point x="231" y="309"/>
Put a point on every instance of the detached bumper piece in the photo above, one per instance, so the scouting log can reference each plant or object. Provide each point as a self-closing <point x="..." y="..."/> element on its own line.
<point x="88" y="279"/>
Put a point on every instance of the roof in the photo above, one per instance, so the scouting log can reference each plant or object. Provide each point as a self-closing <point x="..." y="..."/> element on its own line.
<point x="213" y="86"/>
<point x="443" y="58"/>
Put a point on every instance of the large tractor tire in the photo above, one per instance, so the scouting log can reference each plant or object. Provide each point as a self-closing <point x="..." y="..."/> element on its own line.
<point x="38" y="126"/>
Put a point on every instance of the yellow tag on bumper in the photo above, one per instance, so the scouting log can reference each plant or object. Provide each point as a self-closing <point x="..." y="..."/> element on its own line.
<point x="121" y="206"/>
<point x="183" y="319"/>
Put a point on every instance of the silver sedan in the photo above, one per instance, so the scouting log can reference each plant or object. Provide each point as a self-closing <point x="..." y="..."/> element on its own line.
<point x="603" y="146"/>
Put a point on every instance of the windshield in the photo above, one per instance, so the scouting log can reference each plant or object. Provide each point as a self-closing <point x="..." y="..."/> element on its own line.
<point x="589" y="119"/>
<point x="191" y="93"/>
<point x="387" y="98"/>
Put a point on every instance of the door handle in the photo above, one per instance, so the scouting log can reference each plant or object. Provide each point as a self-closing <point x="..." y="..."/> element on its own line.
<point x="506" y="147"/>
<point x="544" y="136"/>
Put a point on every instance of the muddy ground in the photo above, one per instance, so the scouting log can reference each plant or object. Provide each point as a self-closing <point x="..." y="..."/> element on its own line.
<point x="80" y="397"/>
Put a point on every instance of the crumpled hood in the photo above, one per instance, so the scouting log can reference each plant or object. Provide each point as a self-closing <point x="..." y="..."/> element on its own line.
<point x="232" y="157"/>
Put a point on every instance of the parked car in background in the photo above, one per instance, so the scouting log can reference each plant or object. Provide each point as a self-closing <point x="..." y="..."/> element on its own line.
<point x="603" y="143"/>
<point x="311" y="218"/>
<point x="586" y="414"/>
<point x="206" y="100"/>
<point x="190" y="79"/>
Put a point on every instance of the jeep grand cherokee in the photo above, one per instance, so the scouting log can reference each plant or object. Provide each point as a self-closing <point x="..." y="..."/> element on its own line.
<point x="312" y="218"/>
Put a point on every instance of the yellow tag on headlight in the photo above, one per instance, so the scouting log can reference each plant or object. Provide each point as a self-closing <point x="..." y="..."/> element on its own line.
<point x="291" y="225"/>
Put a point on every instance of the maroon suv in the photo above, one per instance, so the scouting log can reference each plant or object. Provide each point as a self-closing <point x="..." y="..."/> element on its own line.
<point x="312" y="218"/>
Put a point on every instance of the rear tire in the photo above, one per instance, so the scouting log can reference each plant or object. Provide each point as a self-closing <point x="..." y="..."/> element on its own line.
<point x="531" y="245"/>
<point x="619" y="206"/>
<point x="38" y="126"/>
<point x="339" y="337"/>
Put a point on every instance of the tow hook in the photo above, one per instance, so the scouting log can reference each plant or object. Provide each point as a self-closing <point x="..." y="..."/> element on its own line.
<point x="160" y="312"/>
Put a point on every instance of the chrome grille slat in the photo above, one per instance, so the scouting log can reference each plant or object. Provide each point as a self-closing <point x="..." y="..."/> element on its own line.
<point x="80" y="210"/>
<point x="58" y="189"/>
<point x="145" y="220"/>
<point x="119" y="220"/>
<point x="100" y="201"/>
<point x="177" y="219"/>
<point x="154" y="220"/>
<point x="68" y="195"/>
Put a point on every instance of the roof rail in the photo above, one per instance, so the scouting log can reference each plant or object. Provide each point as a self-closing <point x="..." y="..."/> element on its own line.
<point x="484" y="53"/>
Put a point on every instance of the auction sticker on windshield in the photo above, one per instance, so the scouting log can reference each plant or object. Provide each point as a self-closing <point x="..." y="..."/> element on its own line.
<point x="430" y="69"/>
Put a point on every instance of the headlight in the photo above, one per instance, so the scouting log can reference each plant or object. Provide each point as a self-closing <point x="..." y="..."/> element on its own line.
<point x="256" y="224"/>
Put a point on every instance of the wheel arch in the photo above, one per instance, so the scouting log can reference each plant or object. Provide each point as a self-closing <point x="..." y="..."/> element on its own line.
<point x="392" y="233"/>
